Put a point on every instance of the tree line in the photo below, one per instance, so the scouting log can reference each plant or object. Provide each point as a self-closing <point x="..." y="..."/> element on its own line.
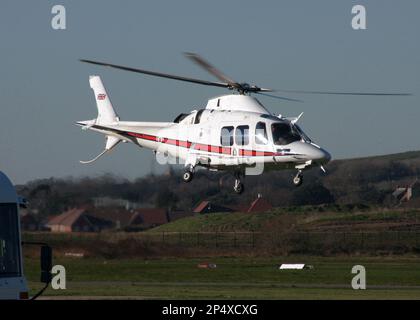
<point x="369" y="181"/>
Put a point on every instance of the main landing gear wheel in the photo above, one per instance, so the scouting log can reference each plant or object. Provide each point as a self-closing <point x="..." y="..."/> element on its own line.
<point x="298" y="179"/>
<point x="187" y="176"/>
<point x="238" y="186"/>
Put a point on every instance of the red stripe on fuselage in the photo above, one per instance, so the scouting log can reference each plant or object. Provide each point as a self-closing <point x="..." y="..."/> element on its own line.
<point x="142" y="136"/>
<point x="201" y="147"/>
<point x="255" y="153"/>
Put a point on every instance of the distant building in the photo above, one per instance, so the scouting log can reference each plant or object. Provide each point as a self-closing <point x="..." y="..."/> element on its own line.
<point x="29" y="222"/>
<point x="77" y="220"/>
<point x="209" y="207"/>
<point x="260" y="205"/>
<point x="405" y="193"/>
<point x="149" y="217"/>
<point x="118" y="216"/>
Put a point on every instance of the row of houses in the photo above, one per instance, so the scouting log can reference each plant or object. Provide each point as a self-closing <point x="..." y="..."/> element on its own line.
<point x="97" y="219"/>
<point x="91" y="219"/>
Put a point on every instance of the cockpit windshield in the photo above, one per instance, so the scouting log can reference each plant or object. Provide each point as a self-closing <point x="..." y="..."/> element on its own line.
<point x="302" y="134"/>
<point x="284" y="133"/>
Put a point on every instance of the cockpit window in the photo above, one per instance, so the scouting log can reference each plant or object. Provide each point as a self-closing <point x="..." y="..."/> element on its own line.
<point x="283" y="133"/>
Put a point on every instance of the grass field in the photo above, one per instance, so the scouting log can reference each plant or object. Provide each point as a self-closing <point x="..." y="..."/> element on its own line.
<point x="234" y="278"/>
<point x="247" y="248"/>
<point x="307" y="218"/>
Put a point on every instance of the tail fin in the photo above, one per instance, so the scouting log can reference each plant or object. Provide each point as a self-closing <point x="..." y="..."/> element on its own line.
<point x="106" y="113"/>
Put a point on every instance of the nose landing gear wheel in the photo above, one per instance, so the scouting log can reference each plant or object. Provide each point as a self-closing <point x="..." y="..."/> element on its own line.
<point x="239" y="187"/>
<point x="187" y="176"/>
<point x="298" y="179"/>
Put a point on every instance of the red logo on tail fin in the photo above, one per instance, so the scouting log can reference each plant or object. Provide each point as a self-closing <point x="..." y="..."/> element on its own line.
<point x="101" y="96"/>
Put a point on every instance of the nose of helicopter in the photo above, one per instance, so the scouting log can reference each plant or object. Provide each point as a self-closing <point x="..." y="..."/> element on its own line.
<point x="311" y="151"/>
<point x="318" y="154"/>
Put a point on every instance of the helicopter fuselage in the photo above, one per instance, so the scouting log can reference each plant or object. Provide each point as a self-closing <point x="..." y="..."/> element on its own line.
<point x="233" y="132"/>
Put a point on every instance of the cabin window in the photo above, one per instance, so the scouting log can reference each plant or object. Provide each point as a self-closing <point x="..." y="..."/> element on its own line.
<point x="283" y="133"/>
<point x="9" y="241"/>
<point x="261" y="133"/>
<point x="226" y="136"/>
<point x="242" y="135"/>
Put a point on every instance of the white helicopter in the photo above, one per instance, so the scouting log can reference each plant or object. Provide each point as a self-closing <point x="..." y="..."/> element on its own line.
<point x="233" y="132"/>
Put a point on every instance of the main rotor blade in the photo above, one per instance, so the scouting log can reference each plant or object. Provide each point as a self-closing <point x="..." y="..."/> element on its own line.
<point x="345" y="93"/>
<point x="278" y="97"/>
<point x="159" y="74"/>
<point x="211" y="69"/>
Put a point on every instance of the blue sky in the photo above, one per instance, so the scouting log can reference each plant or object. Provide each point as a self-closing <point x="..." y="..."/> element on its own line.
<point x="294" y="44"/>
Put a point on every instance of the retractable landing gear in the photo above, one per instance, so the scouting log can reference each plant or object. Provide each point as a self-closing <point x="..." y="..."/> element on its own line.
<point x="188" y="174"/>
<point x="298" y="179"/>
<point x="239" y="186"/>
